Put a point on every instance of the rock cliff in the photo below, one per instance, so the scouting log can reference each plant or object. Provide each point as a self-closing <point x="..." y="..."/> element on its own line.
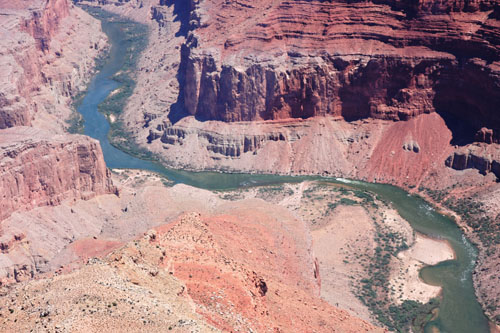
<point x="37" y="169"/>
<point x="481" y="157"/>
<point x="48" y="51"/>
<point x="389" y="60"/>
<point x="276" y="71"/>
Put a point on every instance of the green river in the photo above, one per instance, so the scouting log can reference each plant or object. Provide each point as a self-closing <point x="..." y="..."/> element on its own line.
<point x="459" y="310"/>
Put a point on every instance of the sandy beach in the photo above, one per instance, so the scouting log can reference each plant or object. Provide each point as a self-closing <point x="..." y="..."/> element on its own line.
<point x="405" y="274"/>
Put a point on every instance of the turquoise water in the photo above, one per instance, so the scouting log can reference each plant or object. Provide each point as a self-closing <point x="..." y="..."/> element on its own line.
<point x="459" y="310"/>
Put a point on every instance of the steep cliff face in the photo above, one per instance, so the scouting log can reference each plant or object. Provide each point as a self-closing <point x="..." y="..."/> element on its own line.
<point x="482" y="157"/>
<point x="253" y="85"/>
<point x="388" y="60"/>
<point x="379" y="88"/>
<point x="38" y="169"/>
<point x="44" y="23"/>
<point x="43" y="64"/>
<point x="249" y="70"/>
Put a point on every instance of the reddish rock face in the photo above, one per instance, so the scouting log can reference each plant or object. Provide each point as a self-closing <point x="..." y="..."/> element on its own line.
<point x="48" y="51"/>
<point x="38" y="169"/>
<point x="43" y="24"/>
<point x="255" y="60"/>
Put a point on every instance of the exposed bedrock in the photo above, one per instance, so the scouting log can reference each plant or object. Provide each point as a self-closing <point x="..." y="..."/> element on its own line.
<point x="228" y="146"/>
<point x="357" y="60"/>
<point x="9" y="116"/>
<point x="43" y="65"/>
<point x="39" y="169"/>
<point x="44" y="23"/>
<point x="482" y="157"/>
<point x="385" y="88"/>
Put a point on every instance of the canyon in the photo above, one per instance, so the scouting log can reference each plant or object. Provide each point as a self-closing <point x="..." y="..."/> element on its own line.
<point x="42" y="63"/>
<point x="382" y="91"/>
<point x="61" y="208"/>
<point x="385" y="91"/>
<point x="315" y="77"/>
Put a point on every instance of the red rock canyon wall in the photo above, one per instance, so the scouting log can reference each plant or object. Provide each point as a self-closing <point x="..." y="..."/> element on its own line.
<point x="38" y="169"/>
<point x="382" y="59"/>
<point x="48" y="51"/>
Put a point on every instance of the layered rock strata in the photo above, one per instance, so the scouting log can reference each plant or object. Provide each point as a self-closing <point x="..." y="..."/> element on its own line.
<point x="311" y="58"/>
<point x="481" y="157"/>
<point x="266" y="86"/>
<point x="37" y="169"/>
<point x="42" y="62"/>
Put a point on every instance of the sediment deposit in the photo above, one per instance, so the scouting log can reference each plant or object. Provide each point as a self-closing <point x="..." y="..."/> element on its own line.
<point x="236" y="265"/>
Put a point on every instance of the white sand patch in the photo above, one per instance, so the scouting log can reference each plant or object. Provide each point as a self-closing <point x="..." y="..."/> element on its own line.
<point x="405" y="275"/>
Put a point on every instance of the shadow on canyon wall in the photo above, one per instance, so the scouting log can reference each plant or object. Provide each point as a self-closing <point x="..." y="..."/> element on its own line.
<point x="467" y="98"/>
<point x="182" y="11"/>
<point x="466" y="95"/>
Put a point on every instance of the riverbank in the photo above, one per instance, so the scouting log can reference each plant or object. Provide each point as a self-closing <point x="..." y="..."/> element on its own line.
<point x="353" y="232"/>
<point x="405" y="276"/>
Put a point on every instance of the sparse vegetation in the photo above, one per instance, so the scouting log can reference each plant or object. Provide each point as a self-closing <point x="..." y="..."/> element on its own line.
<point x="267" y="192"/>
<point x="374" y="289"/>
<point x="476" y="217"/>
<point x="474" y="214"/>
<point x="75" y="123"/>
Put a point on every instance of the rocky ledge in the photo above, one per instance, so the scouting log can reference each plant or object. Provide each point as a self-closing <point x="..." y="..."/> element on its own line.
<point x="38" y="169"/>
<point x="482" y="157"/>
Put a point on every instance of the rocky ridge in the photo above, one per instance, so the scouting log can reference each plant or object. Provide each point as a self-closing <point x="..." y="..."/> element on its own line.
<point x="160" y="281"/>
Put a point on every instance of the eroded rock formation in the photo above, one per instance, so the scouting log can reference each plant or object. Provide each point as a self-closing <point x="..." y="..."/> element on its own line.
<point x="266" y="86"/>
<point x="389" y="60"/>
<point x="481" y="157"/>
<point x="48" y="51"/>
<point x="37" y="168"/>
